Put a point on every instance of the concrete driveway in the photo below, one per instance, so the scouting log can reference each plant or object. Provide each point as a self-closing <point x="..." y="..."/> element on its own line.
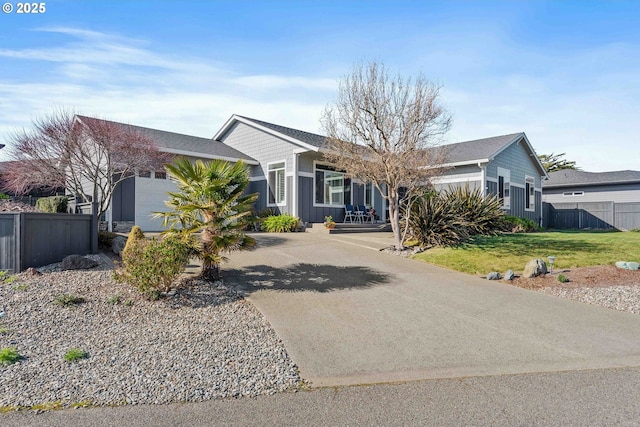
<point x="349" y="314"/>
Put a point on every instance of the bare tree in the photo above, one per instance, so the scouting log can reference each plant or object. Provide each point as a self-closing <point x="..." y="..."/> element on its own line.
<point x="88" y="156"/>
<point x="386" y="130"/>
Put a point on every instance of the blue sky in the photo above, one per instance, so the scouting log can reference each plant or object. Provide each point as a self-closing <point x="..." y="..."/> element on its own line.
<point x="566" y="73"/>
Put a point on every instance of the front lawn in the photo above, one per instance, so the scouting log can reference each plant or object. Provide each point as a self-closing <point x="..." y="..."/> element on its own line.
<point x="512" y="251"/>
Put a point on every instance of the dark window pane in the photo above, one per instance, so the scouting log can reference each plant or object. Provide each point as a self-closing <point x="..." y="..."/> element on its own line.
<point x="319" y="187"/>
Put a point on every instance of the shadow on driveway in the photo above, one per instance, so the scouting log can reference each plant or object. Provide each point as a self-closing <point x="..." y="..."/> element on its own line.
<point x="305" y="277"/>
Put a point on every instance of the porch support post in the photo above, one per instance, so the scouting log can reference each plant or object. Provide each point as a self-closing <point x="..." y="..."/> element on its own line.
<point x="294" y="186"/>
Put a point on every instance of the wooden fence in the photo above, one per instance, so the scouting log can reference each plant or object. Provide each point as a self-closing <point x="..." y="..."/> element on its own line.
<point x="602" y="215"/>
<point x="29" y="239"/>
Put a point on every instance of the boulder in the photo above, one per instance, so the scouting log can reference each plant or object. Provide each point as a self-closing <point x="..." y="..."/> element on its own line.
<point x="627" y="265"/>
<point x="117" y="245"/>
<point x="494" y="275"/>
<point x="534" y="268"/>
<point x="509" y="275"/>
<point x="77" y="262"/>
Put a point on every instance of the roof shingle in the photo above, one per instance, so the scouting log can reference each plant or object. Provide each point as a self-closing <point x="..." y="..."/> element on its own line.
<point x="183" y="143"/>
<point x="569" y="177"/>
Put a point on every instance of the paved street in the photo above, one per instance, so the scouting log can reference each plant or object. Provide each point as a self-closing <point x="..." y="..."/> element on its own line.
<point x="576" y="398"/>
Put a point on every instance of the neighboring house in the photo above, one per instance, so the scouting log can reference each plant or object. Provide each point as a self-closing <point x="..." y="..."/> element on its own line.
<point x="288" y="172"/>
<point x="504" y="165"/>
<point x="32" y="195"/>
<point x="579" y="199"/>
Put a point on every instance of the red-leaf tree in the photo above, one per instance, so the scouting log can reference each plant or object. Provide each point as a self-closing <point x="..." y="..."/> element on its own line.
<point x="89" y="157"/>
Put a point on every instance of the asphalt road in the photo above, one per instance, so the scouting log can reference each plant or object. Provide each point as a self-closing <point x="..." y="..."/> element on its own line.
<point x="575" y="398"/>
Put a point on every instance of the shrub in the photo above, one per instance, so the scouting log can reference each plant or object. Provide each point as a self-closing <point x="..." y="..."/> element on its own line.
<point x="280" y="223"/>
<point x="6" y="278"/>
<point x="75" y="354"/>
<point x="562" y="278"/>
<point x="452" y="216"/>
<point x="66" y="300"/>
<point x="135" y="235"/>
<point x="9" y="355"/>
<point x="105" y="239"/>
<point x="514" y="224"/>
<point x="153" y="265"/>
<point x="4" y="196"/>
<point x="53" y="204"/>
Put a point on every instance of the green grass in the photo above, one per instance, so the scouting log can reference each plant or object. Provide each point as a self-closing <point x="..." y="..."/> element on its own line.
<point x="571" y="249"/>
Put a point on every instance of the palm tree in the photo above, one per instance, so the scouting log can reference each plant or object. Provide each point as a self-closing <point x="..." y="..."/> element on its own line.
<point x="210" y="200"/>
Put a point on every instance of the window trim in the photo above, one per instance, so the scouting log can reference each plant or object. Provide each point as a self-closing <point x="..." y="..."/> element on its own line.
<point x="325" y="205"/>
<point x="531" y="181"/>
<point x="284" y="172"/>
<point x="506" y="180"/>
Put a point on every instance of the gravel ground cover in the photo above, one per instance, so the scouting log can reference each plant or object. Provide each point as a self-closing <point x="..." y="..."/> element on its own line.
<point x="203" y="342"/>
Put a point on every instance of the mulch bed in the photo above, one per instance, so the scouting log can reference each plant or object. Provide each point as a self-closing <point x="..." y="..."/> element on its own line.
<point x="600" y="276"/>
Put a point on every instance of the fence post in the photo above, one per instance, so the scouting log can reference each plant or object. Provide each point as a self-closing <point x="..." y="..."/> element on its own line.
<point x="94" y="227"/>
<point x="17" y="233"/>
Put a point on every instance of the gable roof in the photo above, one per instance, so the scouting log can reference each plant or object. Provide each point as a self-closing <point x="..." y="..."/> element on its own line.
<point x="307" y="140"/>
<point x="571" y="178"/>
<point x="177" y="143"/>
<point x="486" y="149"/>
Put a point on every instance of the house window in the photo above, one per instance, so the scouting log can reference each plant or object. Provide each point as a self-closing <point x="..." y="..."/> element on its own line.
<point x="530" y="194"/>
<point x="144" y="174"/>
<point x="573" y="193"/>
<point x="276" y="183"/>
<point x="368" y="194"/>
<point x="331" y="187"/>
<point x="504" y="187"/>
<point x="160" y="175"/>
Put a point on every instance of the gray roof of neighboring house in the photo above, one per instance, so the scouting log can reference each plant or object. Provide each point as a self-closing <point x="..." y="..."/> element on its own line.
<point x="571" y="178"/>
<point x="479" y="149"/>
<point x="306" y="137"/>
<point x="184" y="144"/>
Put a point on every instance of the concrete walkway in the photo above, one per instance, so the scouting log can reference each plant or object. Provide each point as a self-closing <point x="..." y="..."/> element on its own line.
<point x="349" y="314"/>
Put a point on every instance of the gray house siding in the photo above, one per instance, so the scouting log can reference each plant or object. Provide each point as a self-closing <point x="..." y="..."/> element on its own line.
<point x="310" y="213"/>
<point x="517" y="160"/>
<point x="263" y="147"/>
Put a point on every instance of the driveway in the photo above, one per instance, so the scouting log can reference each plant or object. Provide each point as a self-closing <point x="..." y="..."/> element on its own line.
<point x="349" y="314"/>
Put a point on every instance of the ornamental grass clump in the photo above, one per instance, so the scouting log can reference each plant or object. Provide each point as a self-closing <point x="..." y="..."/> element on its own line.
<point x="75" y="354"/>
<point x="9" y="355"/>
<point x="280" y="223"/>
<point x="452" y="216"/>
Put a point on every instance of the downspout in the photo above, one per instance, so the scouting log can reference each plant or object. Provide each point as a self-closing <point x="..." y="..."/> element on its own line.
<point x="294" y="187"/>
<point x="483" y="178"/>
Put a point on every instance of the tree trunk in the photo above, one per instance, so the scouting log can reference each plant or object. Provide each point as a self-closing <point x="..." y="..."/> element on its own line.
<point x="210" y="271"/>
<point x="394" y="218"/>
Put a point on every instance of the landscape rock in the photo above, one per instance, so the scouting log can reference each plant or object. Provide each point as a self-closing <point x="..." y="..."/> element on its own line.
<point x="627" y="265"/>
<point x="117" y="245"/>
<point x="534" y="268"/>
<point x="494" y="275"/>
<point x="31" y="272"/>
<point x="77" y="262"/>
<point x="509" y="275"/>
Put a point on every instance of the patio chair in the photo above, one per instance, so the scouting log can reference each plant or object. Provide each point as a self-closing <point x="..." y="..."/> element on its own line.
<point x="348" y="213"/>
<point x="360" y="212"/>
